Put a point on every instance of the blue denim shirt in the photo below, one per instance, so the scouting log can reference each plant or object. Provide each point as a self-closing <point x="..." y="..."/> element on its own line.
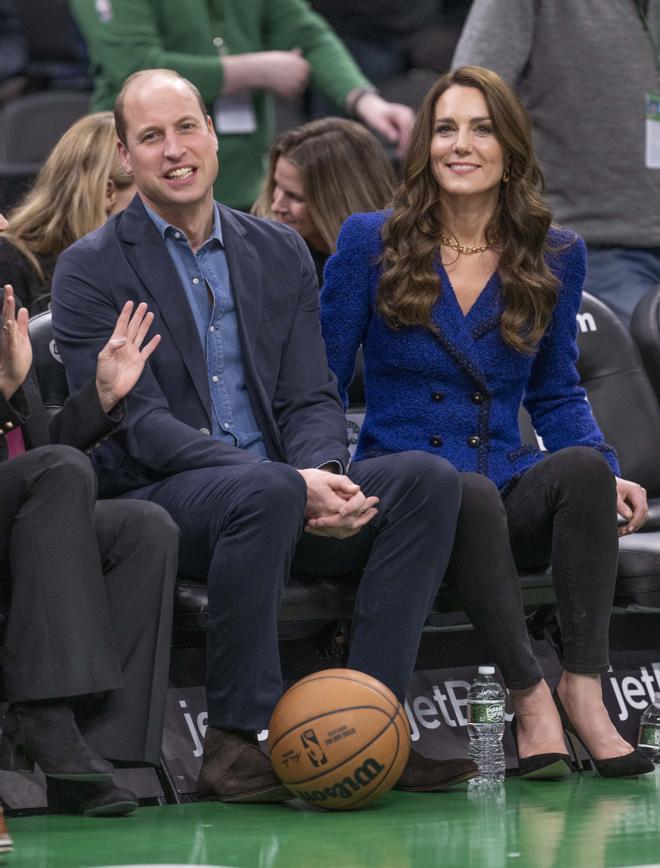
<point x="207" y="284"/>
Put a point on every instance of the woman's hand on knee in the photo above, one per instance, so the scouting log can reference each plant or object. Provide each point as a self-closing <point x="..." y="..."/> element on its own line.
<point x="631" y="505"/>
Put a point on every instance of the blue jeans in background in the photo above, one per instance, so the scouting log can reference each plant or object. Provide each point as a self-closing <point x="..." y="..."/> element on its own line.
<point x="620" y="276"/>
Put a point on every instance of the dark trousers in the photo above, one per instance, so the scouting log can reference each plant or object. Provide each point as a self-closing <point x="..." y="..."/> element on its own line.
<point x="242" y="526"/>
<point x="562" y="511"/>
<point x="90" y="591"/>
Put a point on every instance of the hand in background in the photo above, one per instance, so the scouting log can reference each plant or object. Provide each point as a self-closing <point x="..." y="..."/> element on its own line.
<point x="286" y="73"/>
<point x="122" y="360"/>
<point x="391" y="119"/>
<point x="15" y="347"/>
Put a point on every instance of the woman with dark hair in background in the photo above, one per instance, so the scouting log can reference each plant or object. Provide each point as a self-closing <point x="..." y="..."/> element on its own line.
<point x="318" y="175"/>
<point x="464" y="298"/>
<point x="79" y="186"/>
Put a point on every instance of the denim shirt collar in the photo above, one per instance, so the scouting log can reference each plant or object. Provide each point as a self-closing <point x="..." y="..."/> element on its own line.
<point x="167" y="229"/>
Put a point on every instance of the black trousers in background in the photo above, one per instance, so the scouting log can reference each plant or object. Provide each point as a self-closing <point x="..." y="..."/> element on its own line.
<point x="91" y="592"/>
<point x="562" y="511"/>
<point x="242" y="527"/>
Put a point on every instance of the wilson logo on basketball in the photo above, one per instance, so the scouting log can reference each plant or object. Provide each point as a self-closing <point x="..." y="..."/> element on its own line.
<point x="314" y="750"/>
<point x="362" y="775"/>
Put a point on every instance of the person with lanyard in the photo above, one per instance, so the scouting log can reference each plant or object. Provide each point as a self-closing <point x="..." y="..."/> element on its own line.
<point x="589" y="75"/>
<point x="239" y="55"/>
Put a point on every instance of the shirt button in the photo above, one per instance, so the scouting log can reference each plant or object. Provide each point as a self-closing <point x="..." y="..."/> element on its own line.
<point x="195" y="280"/>
<point x="177" y="235"/>
<point x="473" y="441"/>
<point x="477" y="398"/>
<point x="204" y="431"/>
<point x="435" y="441"/>
<point x="225" y="424"/>
<point x="215" y="378"/>
<point x="437" y="396"/>
<point x="211" y="328"/>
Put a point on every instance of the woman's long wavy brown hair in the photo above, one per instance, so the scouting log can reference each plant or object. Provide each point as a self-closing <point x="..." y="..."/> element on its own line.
<point x="343" y="167"/>
<point x="68" y="198"/>
<point x="409" y="286"/>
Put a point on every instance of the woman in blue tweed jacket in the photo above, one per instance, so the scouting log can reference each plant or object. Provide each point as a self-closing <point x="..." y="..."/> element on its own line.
<point x="464" y="299"/>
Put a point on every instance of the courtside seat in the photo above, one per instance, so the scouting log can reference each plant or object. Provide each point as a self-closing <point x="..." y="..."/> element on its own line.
<point x="626" y="409"/>
<point x="645" y="329"/>
<point x="621" y="397"/>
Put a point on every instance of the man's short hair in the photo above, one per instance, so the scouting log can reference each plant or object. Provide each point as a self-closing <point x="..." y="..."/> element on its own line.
<point x="120" y="119"/>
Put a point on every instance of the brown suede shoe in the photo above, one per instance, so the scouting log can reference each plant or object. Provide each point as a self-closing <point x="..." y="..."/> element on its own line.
<point x="234" y="769"/>
<point x="424" y="775"/>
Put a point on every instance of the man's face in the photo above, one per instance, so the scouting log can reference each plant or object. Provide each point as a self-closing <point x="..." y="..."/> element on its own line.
<point x="171" y="148"/>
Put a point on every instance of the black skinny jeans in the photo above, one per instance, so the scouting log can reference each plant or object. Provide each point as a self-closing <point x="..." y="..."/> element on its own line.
<point x="562" y="511"/>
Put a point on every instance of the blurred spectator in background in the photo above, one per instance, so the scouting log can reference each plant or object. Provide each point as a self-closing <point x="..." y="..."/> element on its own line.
<point x="318" y="175"/>
<point x="13" y="54"/>
<point x="81" y="184"/>
<point x="394" y="41"/>
<point x="584" y="71"/>
<point x="238" y="56"/>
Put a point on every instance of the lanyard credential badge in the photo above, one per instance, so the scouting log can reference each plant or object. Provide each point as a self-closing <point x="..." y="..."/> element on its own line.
<point x="653" y="130"/>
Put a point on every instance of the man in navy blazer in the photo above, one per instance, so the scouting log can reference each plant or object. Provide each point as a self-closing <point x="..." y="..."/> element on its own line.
<point x="236" y="428"/>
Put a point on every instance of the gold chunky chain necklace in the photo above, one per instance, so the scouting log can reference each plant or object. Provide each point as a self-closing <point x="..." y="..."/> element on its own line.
<point x="465" y="248"/>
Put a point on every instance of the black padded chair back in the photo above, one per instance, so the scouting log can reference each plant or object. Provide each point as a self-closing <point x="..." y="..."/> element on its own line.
<point x="48" y="365"/>
<point x="32" y="124"/>
<point x="645" y="329"/>
<point x="621" y="396"/>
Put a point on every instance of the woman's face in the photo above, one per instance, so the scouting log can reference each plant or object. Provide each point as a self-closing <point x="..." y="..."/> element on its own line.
<point x="466" y="158"/>
<point x="289" y="206"/>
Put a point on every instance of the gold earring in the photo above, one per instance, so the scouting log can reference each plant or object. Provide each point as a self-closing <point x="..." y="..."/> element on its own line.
<point x="506" y="175"/>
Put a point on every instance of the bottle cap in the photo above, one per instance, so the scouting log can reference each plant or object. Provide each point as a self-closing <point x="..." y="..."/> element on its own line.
<point x="486" y="670"/>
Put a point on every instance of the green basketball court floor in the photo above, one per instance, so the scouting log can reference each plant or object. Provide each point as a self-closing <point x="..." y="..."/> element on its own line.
<point x="585" y="821"/>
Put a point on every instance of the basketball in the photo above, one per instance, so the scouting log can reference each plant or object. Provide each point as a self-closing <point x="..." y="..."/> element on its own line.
<point x="339" y="739"/>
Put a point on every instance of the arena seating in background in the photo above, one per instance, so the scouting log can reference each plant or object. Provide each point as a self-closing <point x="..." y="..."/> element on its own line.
<point x="32" y="124"/>
<point x="29" y="128"/>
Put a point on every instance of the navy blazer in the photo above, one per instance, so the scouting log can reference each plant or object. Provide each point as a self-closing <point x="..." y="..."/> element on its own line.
<point x="292" y="391"/>
<point x="456" y="391"/>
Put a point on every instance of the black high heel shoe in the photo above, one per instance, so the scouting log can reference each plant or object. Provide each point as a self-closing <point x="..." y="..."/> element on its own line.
<point x="47" y="734"/>
<point x="541" y="766"/>
<point x="627" y="766"/>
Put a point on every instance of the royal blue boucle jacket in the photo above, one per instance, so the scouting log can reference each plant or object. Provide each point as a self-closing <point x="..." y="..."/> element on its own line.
<point x="456" y="393"/>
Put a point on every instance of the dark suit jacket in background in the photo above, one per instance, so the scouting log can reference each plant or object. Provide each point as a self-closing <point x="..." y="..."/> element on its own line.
<point x="292" y="392"/>
<point x="81" y="422"/>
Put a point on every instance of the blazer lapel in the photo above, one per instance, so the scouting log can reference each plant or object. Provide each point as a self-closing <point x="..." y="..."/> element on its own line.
<point x="148" y="256"/>
<point x="454" y="333"/>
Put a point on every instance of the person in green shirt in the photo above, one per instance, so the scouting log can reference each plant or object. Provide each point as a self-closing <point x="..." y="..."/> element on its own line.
<point x="239" y="53"/>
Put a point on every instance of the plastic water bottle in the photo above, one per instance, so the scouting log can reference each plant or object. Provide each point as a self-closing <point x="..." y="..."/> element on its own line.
<point x="486" y="727"/>
<point x="649" y="731"/>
